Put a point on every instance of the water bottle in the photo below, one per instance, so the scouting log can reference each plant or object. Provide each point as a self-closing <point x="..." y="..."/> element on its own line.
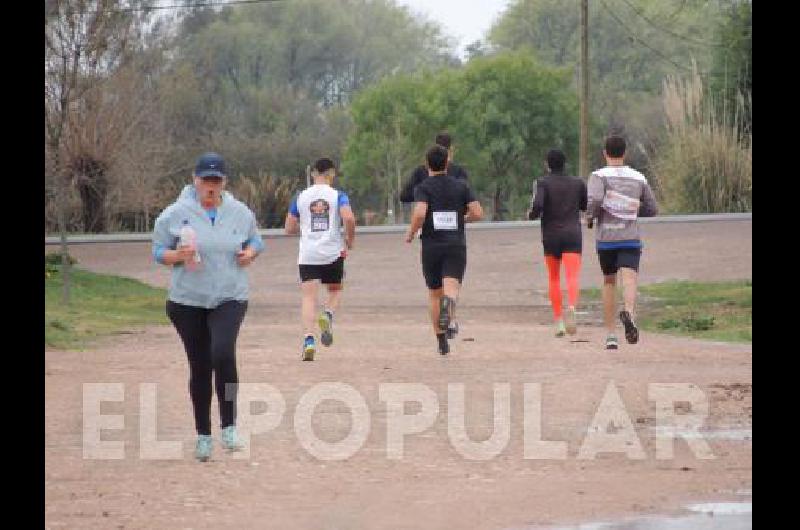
<point x="189" y="238"/>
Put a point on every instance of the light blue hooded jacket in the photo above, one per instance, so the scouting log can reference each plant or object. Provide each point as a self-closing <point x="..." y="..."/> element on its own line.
<point x="219" y="237"/>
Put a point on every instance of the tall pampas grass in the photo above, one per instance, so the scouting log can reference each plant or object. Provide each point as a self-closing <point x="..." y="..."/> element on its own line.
<point x="705" y="163"/>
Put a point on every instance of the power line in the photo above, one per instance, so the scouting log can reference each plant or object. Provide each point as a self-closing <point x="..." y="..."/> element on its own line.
<point x="670" y="32"/>
<point x="208" y="4"/>
<point x="176" y="6"/>
<point x="677" y="11"/>
<point x="655" y="51"/>
<point x="584" y="119"/>
<point x="643" y="43"/>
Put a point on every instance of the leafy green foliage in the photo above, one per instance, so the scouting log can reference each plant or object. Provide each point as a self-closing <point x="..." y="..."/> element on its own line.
<point x="504" y="113"/>
<point x="732" y="82"/>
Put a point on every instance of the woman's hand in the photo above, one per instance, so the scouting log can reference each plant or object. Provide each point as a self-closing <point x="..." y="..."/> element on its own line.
<point x="246" y="257"/>
<point x="184" y="253"/>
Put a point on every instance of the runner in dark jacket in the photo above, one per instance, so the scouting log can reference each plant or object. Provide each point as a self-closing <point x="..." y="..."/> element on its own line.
<point x="558" y="200"/>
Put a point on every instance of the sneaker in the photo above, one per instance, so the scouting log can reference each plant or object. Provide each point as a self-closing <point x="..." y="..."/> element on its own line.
<point x="325" y="322"/>
<point x="631" y="331"/>
<point x="309" y="348"/>
<point x="452" y="330"/>
<point x="444" y="347"/>
<point x="444" y="312"/>
<point x="230" y="439"/>
<point x="570" y="321"/>
<point x="560" y="329"/>
<point x="612" y="343"/>
<point x="202" y="450"/>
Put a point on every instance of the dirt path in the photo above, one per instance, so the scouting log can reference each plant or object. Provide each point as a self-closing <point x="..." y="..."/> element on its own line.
<point x="383" y="337"/>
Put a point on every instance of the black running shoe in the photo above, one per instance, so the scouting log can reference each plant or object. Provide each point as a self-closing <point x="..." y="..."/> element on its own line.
<point x="452" y="331"/>
<point x="444" y="312"/>
<point x="631" y="331"/>
<point x="444" y="347"/>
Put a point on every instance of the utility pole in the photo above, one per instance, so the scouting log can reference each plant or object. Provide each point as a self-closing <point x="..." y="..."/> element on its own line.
<point x="62" y="229"/>
<point x="584" y="77"/>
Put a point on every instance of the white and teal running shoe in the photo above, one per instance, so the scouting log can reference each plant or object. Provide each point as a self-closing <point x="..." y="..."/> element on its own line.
<point x="202" y="450"/>
<point x="230" y="439"/>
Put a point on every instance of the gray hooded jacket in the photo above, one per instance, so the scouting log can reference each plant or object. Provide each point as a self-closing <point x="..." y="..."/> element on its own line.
<point x="219" y="278"/>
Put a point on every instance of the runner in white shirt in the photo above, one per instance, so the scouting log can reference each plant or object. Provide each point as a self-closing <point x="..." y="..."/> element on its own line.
<point x="317" y="214"/>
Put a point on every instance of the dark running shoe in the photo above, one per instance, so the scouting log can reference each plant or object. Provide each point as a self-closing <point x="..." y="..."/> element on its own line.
<point x="631" y="331"/>
<point x="445" y="306"/>
<point x="452" y="331"/>
<point x="444" y="347"/>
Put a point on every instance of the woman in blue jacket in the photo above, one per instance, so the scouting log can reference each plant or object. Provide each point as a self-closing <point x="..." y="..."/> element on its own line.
<point x="208" y="238"/>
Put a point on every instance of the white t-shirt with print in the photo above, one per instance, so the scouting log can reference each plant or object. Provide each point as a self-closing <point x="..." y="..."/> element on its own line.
<point x="321" y="239"/>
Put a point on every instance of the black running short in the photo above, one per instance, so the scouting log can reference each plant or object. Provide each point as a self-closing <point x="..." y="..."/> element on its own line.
<point x="330" y="273"/>
<point x="443" y="261"/>
<point x="612" y="260"/>
<point x="555" y="246"/>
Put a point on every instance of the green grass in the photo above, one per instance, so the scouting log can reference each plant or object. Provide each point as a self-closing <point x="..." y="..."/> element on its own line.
<point x="710" y="310"/>
<point x="100" y="305"/>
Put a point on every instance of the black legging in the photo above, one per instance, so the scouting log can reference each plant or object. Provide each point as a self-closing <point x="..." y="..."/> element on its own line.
<point x="209" y="337"/>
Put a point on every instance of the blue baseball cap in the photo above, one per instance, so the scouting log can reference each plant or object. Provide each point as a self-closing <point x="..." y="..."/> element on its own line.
<point x="210" y="165"/>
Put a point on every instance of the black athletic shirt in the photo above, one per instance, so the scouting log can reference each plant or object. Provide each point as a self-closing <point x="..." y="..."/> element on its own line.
<point x="447" y="199"/>
<point x="558" y="200"/>
<point x="421" y="173"/>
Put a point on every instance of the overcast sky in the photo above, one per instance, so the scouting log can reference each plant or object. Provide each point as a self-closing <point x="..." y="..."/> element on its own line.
<point x="466" y="20"/>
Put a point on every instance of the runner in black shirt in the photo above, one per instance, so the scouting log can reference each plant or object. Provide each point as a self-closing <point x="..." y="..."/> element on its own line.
<point x="558" y="200"/>
<point x="444" y="204"/>
<point x="421" y="172"/>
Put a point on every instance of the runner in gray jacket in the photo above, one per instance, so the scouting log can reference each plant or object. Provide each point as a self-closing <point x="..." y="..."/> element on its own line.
<point x="208" y="238"/>
<point x="617" y="196"/>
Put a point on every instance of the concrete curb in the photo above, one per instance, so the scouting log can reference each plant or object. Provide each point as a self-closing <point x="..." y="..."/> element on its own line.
<point x="393" y="229"/>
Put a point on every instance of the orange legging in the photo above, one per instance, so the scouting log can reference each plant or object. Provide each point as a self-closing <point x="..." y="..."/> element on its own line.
<point x="572" y="265"/>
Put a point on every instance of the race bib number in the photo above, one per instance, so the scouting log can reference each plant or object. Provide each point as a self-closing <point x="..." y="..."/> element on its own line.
<point x="621" y="206"/>
<point x="445" y="221"/>
<point x="320" y="220"/>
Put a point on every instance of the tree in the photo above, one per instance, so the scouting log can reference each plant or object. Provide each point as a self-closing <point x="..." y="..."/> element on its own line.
<point x="268" y="85"/>
<point x="394" y="122"/>
<point x="84" y="41"/>
<point x="506" y="112"/>
<point x="327" y="49"/>
<point x="116" y="145"/>
<point x="633" y="45"/>
<point x="732" y="82"/>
